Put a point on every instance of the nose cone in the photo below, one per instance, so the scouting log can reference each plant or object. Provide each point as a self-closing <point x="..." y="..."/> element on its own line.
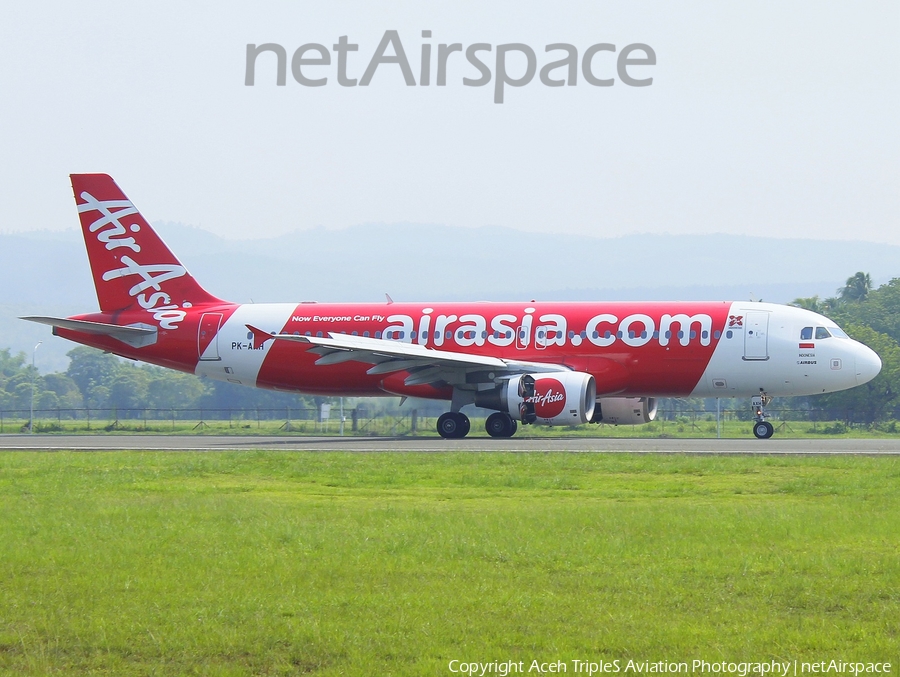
<point x="868" y="364"/>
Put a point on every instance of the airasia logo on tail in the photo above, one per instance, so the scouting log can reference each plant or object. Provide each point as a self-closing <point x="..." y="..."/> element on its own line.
<point x="549" y="398"/>
<point x="114" y="234"/>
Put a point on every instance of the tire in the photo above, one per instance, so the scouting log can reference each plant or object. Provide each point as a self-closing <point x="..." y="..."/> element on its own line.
<point x="453" y="425"/>
<point x="763" y="430"/>
<point x="465" y="424"/>
<point x="500" y="424"/>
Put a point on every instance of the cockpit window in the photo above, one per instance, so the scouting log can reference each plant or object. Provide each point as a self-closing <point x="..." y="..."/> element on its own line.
<point x="822" y="333"/>
<point x="806" y="334"/>
<point x="836" y="331"/>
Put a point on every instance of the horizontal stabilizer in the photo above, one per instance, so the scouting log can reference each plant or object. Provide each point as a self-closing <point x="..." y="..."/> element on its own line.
<point x="137" y="335"/>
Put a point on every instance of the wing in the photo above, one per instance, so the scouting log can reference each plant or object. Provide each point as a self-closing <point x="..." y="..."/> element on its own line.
<point x="425" y="365"/>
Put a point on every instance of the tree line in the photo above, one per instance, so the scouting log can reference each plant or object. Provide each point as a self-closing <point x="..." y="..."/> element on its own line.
<point x="871" y="316"/>
<point x="98" y="380"/>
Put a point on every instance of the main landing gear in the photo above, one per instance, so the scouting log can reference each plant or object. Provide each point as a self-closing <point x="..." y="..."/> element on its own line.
<point x="761" y="427"/>
<point x="454" y="425"/>
<point x="500" y="424"/>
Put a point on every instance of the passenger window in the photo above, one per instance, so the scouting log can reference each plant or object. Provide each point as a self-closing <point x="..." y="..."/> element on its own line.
<point x="365" y="334"/>
<point x="822" y="333"/>
<point x="806" y="333"/>
<point x="378" y="334"/>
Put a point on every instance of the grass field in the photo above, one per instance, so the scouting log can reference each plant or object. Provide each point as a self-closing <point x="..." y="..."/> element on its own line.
<point x="395" y="564"/>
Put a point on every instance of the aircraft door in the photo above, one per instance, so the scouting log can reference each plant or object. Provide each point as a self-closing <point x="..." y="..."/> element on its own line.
<point x="756" y="335"/>
<point x="208" y="336"/>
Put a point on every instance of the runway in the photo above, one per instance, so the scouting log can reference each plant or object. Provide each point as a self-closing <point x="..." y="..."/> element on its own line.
<point x="433" y="444"/>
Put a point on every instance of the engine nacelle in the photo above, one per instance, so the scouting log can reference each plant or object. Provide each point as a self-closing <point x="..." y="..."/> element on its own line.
<point x="625" y="410"/>
<point x="555" y="398"/>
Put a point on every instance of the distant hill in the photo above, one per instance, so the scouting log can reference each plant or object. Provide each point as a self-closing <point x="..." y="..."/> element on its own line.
<point x="47" y="272"/>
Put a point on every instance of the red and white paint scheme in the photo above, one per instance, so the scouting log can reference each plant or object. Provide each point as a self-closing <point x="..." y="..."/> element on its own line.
<point x="551" y="363"/>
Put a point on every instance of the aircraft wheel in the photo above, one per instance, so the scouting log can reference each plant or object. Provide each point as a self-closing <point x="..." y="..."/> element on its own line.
<point x="500" y="424"/>
<point x="453" y="425"/>
<point x="763" y="430"/>
<point x="466" y="424"/>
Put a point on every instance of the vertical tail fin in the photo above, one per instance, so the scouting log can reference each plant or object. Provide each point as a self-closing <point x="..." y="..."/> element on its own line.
<point x="130" y="263"/>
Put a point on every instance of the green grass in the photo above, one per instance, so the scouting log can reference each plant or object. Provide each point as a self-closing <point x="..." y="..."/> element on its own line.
<point x="374" y="564"/>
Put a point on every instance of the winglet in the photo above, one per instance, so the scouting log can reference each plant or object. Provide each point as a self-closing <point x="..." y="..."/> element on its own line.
<point x="259" y="336"/>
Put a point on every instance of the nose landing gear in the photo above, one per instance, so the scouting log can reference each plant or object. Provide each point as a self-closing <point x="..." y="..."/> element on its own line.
<point x="762" y="429"/>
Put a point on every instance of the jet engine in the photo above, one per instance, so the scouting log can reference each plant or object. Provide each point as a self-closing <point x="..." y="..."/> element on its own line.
<point x="555" y="398"/>
<point x="625" y="410"/>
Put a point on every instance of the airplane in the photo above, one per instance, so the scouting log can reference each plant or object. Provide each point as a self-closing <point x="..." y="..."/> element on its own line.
<point x="529" y="362"/>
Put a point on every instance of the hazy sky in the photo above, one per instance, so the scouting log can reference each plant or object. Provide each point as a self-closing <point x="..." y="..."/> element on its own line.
<point x="776" y="118"/>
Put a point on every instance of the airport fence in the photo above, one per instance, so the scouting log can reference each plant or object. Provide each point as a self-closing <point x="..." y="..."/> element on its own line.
<point x="360" y="421"/>
<point x="357" y="421"/>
